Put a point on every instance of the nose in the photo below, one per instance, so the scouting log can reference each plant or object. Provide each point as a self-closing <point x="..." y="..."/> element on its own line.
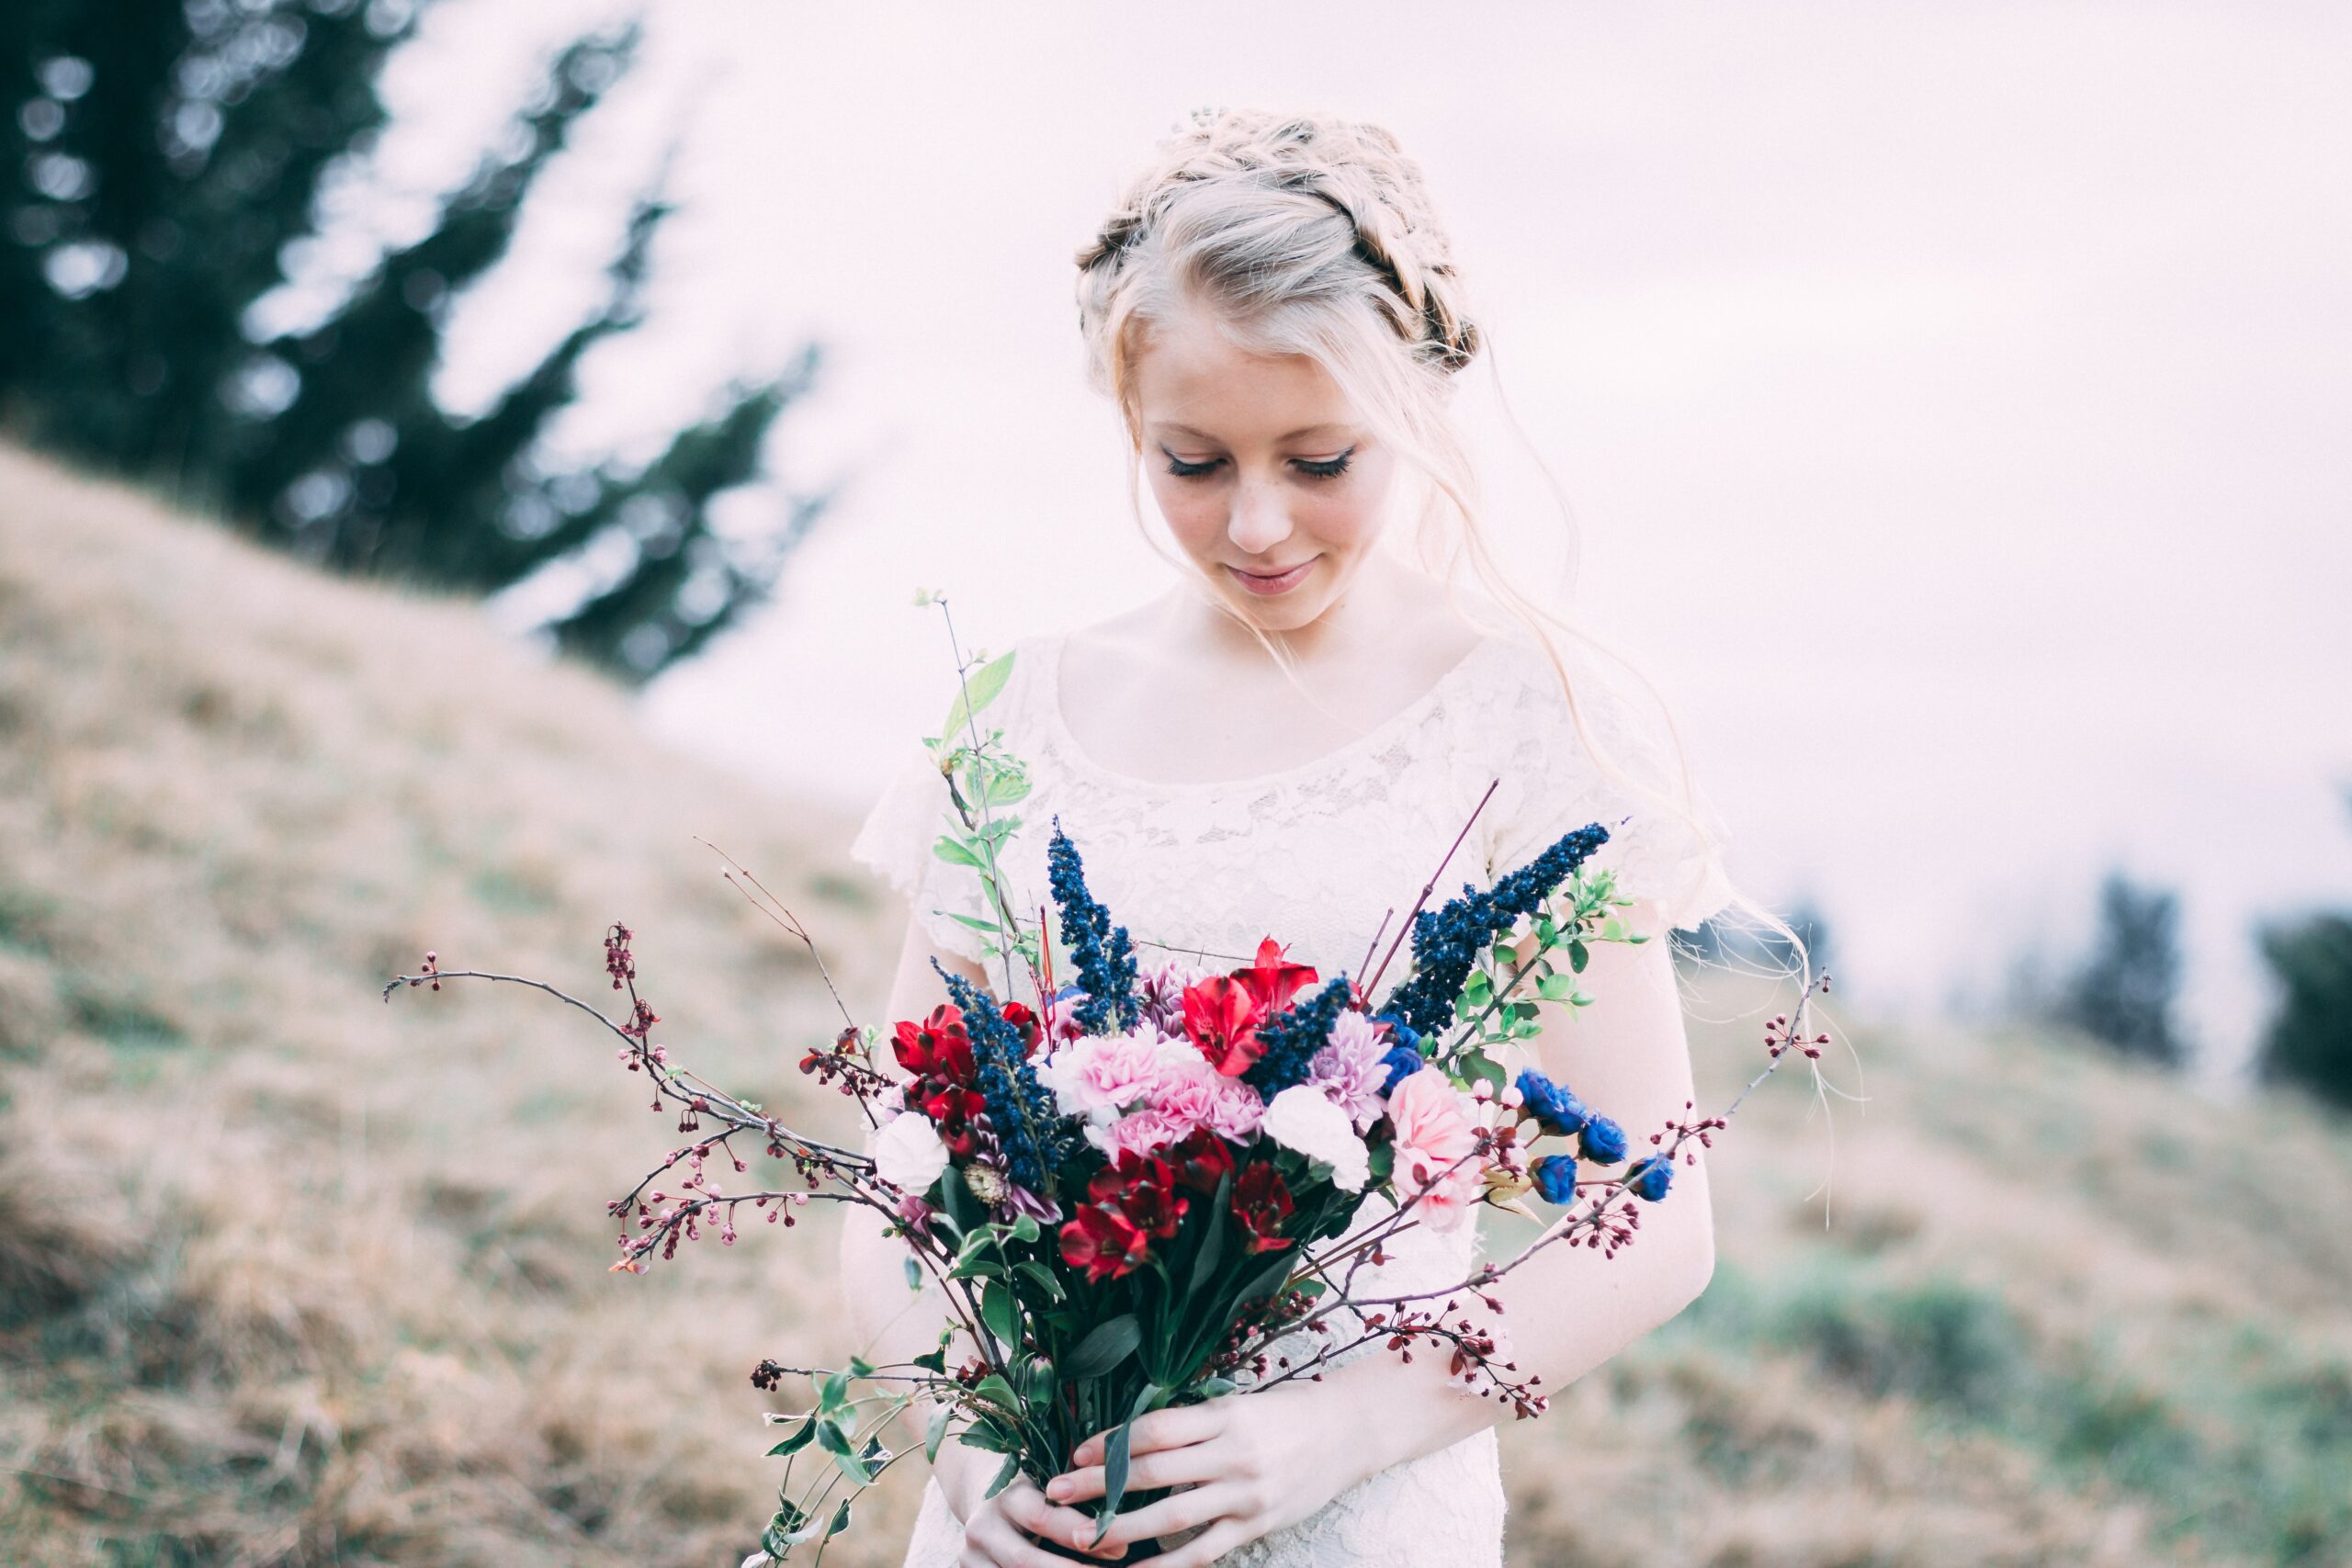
<point x="1260" y="520"/>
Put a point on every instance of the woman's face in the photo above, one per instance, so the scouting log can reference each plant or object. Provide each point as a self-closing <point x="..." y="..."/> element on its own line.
<point x="1268" y="476"/>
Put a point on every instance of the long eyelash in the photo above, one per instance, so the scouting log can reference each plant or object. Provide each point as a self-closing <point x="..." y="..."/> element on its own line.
<point x="1329" y="469"/>
<point x="1184" y="471"/>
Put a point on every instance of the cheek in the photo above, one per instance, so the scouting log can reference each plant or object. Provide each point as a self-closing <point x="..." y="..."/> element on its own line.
<point x="1195" y="512"/>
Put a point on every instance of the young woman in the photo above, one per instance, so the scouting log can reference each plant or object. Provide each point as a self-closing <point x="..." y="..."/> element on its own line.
<point x="1287" y="740"/>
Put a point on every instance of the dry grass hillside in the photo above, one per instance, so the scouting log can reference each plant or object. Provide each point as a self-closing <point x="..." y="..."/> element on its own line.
<point x="291" y="1276"/>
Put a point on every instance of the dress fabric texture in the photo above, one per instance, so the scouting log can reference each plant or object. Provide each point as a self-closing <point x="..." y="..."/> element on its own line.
<point x="1314" y="855"/>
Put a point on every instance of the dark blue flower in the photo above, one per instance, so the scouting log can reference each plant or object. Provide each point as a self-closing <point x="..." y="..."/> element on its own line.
<point x="1604" y="1141"/>
<point x="1021" y="1112"/>
<point x="1289" y="1039"/>
<point x="1403" y="1061"/>
<point x="1556" y="1178"/>
<point x="1556" y="1110"/>
<point x="1399" y="1032"/>
<point x="1650" y="1176"/>
<point x="1448" y="941"/>
<point x="1099" y="950"/>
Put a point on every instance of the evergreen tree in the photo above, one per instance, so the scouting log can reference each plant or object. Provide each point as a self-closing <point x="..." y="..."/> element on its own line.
<point x="2124" y="990"/>
<point x="2309" y="1042"/>
<point x="167" y="153"/>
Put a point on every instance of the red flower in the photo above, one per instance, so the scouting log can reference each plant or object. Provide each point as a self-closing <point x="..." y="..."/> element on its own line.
<point x="940" y="1047"/>
<point x="1143" y="1189"/>
<point x="951" y="1110"/>
<point x="1201" y="1161"/>
<point x="1221" y="1018"/>
<point x="1022" y="1018"/>
<point x="1271" y="981"/>
<point x="1104" y="1243"/>
<point x="1261" y="1203"/>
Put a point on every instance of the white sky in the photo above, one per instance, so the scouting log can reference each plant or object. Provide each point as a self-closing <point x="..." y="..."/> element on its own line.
<point x="1953" y="400"/>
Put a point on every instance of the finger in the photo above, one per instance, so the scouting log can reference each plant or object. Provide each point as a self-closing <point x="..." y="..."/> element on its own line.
<point x="999" y="1544"/>
<point x="1023" y="1505"/>
<point x="1166" y="1467"/>
<point x="1185" y="1510"/>
<point x="1160" y="1429"/>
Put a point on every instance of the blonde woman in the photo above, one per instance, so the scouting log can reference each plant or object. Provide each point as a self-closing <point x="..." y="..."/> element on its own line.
<point x="1286" y="740"/>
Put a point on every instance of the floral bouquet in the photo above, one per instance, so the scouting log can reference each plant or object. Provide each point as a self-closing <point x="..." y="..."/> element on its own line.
<point x="1129" y="1183"/>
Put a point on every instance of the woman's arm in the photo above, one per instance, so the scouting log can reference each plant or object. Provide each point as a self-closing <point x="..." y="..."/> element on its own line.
<point x="1261" y="1461"/>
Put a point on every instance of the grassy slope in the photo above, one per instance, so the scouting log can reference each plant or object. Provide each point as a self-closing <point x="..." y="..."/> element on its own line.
<point x="290" y="1275"/>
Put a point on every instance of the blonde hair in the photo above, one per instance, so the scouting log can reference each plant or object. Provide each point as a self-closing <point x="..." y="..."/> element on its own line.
<point x="1315" y="235"/>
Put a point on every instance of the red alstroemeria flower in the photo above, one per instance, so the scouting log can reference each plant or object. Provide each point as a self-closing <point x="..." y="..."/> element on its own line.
<point x="1221" y="1018"/>
<point x="1201" y="1161"/>
<point x="939" y="1048"/>
<point x="1024" y="1019"/>
<point x="951" y="1110"/>
<point x="1104" y="1243"/>
<point x="1261" y="1203"/>
<point x="1271" y="981"/>
<point x="1143" y="1189"/>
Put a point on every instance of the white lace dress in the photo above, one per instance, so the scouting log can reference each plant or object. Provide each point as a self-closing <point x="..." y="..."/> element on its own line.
<point x="1313" y="855"/>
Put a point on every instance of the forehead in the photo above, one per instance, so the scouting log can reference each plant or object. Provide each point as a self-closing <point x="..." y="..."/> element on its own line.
<point x="1189" y="371"/>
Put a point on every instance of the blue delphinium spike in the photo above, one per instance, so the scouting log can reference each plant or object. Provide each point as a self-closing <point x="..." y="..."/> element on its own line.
<point x="1021" y="1110"/>
<point x="1099" y="950"/>
<point x="1447" y="940"/>
<point x="1292" y="1037"/>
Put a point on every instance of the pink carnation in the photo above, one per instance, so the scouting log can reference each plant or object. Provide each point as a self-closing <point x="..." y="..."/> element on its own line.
<point x="1353" y="1068"/>
<point x="1102" y="1076"/>
<point x="1142" y="1133"/>
<point x="1434" y="1137"/>
<point x="1192" y="1094"/>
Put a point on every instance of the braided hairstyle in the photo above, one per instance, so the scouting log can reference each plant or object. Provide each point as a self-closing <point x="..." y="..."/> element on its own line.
<point x="1266" y="217"/>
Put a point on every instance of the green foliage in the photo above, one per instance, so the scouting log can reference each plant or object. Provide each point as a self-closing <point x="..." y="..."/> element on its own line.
<point x="2309" y="1042"/>
<point x="164" y="159"/>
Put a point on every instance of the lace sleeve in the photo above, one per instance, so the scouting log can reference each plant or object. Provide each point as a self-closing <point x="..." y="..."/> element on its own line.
<point x="895" y="842"/>
<point x="1552" y="785"/>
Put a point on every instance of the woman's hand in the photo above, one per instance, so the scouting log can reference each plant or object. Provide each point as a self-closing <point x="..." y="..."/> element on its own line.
<point x="999" y="1530"/>
<point x="1249" y="1465"/>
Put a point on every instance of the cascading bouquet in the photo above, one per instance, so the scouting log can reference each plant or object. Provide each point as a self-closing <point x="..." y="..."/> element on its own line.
<point x="1129" y="1183"/>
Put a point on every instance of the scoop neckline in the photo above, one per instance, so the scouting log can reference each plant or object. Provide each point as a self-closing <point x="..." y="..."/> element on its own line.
<point x="1051" y="704"/>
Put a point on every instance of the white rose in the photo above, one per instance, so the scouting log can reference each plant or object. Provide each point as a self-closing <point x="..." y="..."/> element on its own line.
<point x="909" y="1154"/>
<point x="1304" y="1118"/>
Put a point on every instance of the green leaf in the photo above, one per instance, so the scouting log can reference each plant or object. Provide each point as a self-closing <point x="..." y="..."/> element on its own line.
<point x="1003" y="1477"/>
<point x="1215" y="1388"/>
<point x="935" y="1431"/>
<point x="915" y="1274"/>
<point x="1041" y="1276"/>
<point x="932" y="1361"/>
<point x="1024" y="1227"/>
<point x="974" y="922"/>
<point x="999" y="1392"/>
<point x="1115" y="1462"/>
<point x="841" y="1520"/>
<point x="951" y="850"/>
<point x="1212" y="1253"/>
<point x="1000" y="1313"/>
<point x="1110" y="1344"/>
<point x="1006" y="788"/>
<point x="1555" y="988"/>
<point x="978" y="691"/>
<point x="1579" y="956"/>
<point x="833" y="1391"/>
<point x="859" y="1367"/>
<point x="797" y="1440"/>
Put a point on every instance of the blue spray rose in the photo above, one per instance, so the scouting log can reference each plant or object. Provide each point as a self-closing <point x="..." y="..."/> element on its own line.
<point x="1604" y="1141"/>
<point x="1555" y="1109"/>
<point x="1556" y="1178"/>
<point x="1650" y="1176"/>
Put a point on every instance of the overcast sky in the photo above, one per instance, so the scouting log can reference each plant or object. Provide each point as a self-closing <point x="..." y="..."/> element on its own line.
<point x="1953" y="402"/>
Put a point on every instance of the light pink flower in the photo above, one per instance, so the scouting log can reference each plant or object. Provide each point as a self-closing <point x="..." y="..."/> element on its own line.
<point x="1353" y="1068"/>
<point x="1191" y="1093"/>
<point x="1159" y="993"/>
<point x="1102" y="1076"/>
<point x="1434" y="1135"/>
<point x="1143" y="1133"/>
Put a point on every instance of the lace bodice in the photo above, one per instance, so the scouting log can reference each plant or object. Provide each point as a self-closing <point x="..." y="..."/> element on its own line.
<point x="1313" y="855"/>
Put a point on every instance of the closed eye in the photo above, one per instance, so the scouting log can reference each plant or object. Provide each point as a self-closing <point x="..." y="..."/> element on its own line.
<point x="1327" y="467"/>
<point x="1184" y="471"/>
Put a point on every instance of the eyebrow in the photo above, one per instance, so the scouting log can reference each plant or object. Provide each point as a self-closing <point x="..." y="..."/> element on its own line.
<point x="1292" y="435"/>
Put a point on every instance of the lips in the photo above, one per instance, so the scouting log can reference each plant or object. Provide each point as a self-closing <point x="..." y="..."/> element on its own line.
<point x="1273" y="581"/>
